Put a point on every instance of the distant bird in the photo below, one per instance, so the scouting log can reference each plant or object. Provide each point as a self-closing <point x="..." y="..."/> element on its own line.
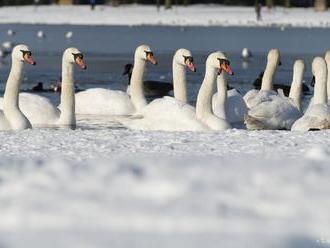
<point x="11" y="32"/>
<point x="38" y="87"/>
<point x="3" y="53"/>
<point x="151" y="88"/>
<point x="69" y="34"/>
<point x="41" y="34"/>
<point x="246" y="53"/>
<point x="8" y="45"/>
<point x="285" y="88"/>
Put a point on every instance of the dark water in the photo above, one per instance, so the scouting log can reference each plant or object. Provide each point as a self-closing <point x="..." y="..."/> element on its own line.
<point x="108" y="49"/>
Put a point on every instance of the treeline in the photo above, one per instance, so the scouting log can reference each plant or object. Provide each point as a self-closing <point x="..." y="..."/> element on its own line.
<point x="269" y="3"/>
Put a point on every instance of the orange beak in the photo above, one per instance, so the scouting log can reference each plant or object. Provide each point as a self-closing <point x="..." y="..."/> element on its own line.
<point x="28" y="59"/>
<point x="191" y="66"/>
<point x="227" y="69"/>
<point x="80" y="62"/>
<point x="151" y="59"/>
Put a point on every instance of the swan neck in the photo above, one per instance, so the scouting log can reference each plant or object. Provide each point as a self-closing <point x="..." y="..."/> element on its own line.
<point x="179" y="82"/>
<point x="296" y="87"/>
<point x="222" y="93"/>
<point x="328" y="79"/>
<point x="67" y="95"/>
<point x="204" y="98"/>
<point x="136" y="87"/>
<point x="267" y="79"/>
<point x="320" y="88"/>
<point x="12" y="87"/>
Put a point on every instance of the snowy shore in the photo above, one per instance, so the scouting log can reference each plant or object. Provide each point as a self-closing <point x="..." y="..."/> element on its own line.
<point x="196" y="15"/>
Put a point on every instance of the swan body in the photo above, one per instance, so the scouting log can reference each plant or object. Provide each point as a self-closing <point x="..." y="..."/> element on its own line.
<point x="11" y="117"/>
<point x="236" y="108"/>
<point x="273" y="60"/>
<point x="41" y="112"/>
<point x="110" y="102"/>
<point x="317" y="116"/>
<point x="273" y="111"/>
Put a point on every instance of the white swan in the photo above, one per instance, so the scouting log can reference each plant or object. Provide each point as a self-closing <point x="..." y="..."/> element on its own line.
<point x="277" y="111"/>
<point x="11" y="117"/>
<point x="41" y="112"/>
<point x="251" y="97"/>
<point x="236" y="107"/>
<point x="99" y="101"/>
<point x="171" y="114"/>
<point x="317" y="116"/>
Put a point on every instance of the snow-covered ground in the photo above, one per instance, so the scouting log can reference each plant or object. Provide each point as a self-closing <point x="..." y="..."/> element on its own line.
<point x="119" y="188"/>
<point x="201" y="15"/>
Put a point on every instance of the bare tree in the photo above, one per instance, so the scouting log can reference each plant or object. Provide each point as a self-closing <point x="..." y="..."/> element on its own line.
<point x="168" y="4"/>
<point x="186" y="2"/>
<point x="320" y="5"/>
<point x="287" y="3"/>
<point x="270" y="3"/>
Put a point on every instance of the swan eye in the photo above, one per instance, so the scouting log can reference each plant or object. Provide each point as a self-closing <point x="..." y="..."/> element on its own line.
<point x="28" y="53"/>
<point x="148" y="53"/>
<point x="77" y="56"/>
<point x="224" y="61"/>
<point x="188" y="59"/>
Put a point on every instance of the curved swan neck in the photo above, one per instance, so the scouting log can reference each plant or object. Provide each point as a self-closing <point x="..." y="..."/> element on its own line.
<point x="179" y="81"/>
<point x="267" y="79"/>
<point x="320" y="88"/>
<point x="12" y="87"/>
<point x="136" y="87"/>
<point x="204" y="98"/>
<point x="67" y="116"/>
<point x="296" y="85"/>
<point x="222" y="93"/>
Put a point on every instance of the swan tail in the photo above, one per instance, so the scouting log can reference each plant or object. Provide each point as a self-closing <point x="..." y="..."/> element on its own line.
<point x="253" y="123"/>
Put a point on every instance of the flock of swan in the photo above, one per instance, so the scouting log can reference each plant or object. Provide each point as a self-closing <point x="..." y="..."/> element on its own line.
<point x="257" y="109"/>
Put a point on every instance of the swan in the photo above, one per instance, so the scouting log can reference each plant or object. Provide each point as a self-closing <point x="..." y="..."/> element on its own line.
<point x="11" y="116"/>
<point x="273" y="60"/>
<point x="41" y="34"/>
<point x="69" y="35"/>
<point x="174" y="114"/>
<point x="246" y="53"/>
<point x="235" y="106"/>
<point x="277" y="111"/>
<point x="151" y="88"/>
<point x="317" y="116"/>
<point x="99" y="101"/>
<point x="41" y="112"/>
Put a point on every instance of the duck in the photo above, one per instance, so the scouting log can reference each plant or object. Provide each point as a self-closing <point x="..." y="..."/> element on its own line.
<point x="276" y="111"/>
<point x="254" y="97"/>
<point x="279" y="87"/>
<point x="11" y="116"/>
<point x="41" y="112"/>
<point x="174" y="113"/>
<point x="317" y="116"/>
<point x="151" y="88"/>
<point x="100" y="101"/>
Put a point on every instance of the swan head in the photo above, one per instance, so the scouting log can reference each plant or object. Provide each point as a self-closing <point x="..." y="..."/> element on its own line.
<point x="145" y="53"/>
<point x="184" y="57"/>
<point x="327" y="57"/>
<point x="22" y="53"/>
<point x="299" y="65"/>
<point x="74" y="56"/>
<point x="219" y="61"/>
<point x="319" y="67"/>
<point x="274" y="57"/>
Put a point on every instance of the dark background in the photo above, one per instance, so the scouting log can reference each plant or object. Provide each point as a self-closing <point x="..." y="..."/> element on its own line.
<point x="294" y="3"/>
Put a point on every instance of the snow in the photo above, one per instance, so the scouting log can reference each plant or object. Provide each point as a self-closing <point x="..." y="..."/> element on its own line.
<point x="97" y="187"/>
<point x="194" y="15"/>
